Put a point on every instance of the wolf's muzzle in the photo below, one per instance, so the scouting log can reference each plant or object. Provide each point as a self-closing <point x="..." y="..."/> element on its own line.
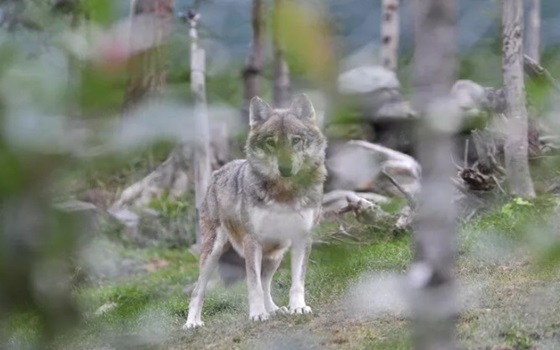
<point x="285" y="171"/>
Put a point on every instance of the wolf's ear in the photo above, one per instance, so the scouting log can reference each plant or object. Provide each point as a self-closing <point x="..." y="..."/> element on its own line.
<point x="303" y="108"/>
<point x="259" y="111"/>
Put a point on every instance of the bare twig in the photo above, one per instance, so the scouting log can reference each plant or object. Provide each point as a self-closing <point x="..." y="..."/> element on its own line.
<point x="535" y="70"/>
<point x="498" y="183"/>
<point x="466" y="154"/>
<point x="409" y="198"/>
<point x="455" y="164"/>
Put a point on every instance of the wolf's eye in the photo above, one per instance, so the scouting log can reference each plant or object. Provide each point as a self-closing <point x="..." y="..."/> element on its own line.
<point x="296" y="140"/>
<point x="270" y="142"/>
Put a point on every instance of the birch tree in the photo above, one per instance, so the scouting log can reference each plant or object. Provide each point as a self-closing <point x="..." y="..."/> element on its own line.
<point x="255" y="61"/>
<point x="389" y="33"/>
<point x="432" y="291"/>
<point x="516" y="144"/>
<point x="534" y="30"/>
<point x="281" y="71"/>
<point x="202" y="170"/>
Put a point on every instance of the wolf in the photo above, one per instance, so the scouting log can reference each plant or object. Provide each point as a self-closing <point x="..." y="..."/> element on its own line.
<point x="264" y="205"/>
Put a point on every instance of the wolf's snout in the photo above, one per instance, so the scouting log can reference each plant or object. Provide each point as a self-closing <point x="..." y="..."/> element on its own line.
<point x="284" y="162"/>
<point x="285" y="171"/>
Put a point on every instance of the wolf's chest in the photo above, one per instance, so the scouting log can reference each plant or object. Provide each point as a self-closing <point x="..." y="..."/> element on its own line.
<point x="277" y="222"/>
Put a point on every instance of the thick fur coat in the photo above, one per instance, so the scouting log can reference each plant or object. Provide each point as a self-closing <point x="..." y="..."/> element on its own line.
<point x="264" y="205"/>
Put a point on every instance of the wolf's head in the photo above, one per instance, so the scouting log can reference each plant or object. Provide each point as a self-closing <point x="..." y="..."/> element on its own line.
<point x="285" y="143"/>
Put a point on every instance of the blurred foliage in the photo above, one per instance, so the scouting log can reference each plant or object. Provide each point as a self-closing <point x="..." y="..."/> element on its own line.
<point x="304" y="34"/>
<point x="41" y="249"/>
<point x="98" y="11"/>
<point x="518" y="339"/>
<point x="514" y="217"/>
<point x="170" y="207"/>
<point x="39" y="245"/>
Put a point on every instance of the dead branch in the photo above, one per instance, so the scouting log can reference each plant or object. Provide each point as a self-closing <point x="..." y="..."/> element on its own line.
<point x="335" y="200"/>
<point x="534" y="70"/>
<point x="408" y="196"/>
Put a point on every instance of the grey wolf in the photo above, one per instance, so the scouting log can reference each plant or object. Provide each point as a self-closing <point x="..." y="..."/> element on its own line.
<point x="261" y="206"/>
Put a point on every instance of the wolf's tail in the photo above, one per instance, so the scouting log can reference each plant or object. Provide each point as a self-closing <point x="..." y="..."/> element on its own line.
<point x="231" y="267"/>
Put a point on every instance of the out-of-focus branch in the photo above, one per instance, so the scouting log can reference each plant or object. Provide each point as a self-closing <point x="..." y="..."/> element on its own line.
<point x="534" y="70"/>
<point x="431" y="280"/>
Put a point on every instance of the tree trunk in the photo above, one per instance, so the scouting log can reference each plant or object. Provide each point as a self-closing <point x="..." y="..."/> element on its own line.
<point x="281" y="77"/>
<point x="432" y="290"/>
<point x="390" y="33"/>
<point x="202" y="170"/>
<point x="534" y="30"/>
<point x="147" y="77"/>
<point x="516" y="144"/>
<point x="148" y="68"/>
<point x="255" y="61"/>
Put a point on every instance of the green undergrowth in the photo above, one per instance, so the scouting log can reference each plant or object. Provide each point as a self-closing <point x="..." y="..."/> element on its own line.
<point x="516" y="306"/>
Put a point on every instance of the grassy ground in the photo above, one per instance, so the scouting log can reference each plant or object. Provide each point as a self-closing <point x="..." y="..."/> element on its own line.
<point x="510" y="296"/>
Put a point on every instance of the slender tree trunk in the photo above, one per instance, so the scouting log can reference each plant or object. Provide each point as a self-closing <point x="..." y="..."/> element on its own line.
<point x="255" y="61"/>
<point x="281" y="77"/>
<point x="202" y="170"/>
<point x="432" y="303"/>
<point x="516" y="145"/>
<point x="148" y="68"/>
<point x="147" y="77"/>
<point x="534" y="30"/>
<point x="390" y="33"/>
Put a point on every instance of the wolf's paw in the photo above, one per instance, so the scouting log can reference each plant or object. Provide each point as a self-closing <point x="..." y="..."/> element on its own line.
<point x="259" y="317"/>
<point x="300" y="310"/>
<point x="281" y="311"/>
<point x="194" y="324"/>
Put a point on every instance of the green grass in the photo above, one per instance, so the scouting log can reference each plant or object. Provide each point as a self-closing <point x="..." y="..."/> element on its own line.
<point x="515" y="303"/>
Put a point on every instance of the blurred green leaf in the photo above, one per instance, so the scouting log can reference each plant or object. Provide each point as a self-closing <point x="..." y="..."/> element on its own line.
<point x="99" y="11"/>
<point x="101" y="91"/>
<point x="305" y="37"/>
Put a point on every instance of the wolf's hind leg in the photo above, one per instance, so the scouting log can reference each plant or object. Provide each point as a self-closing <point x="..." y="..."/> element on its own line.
<point x="269" y="267"/>
<point x="211" y="251"/>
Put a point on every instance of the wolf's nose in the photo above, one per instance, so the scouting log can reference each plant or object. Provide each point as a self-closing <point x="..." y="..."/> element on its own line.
<point x="285" y="171"/>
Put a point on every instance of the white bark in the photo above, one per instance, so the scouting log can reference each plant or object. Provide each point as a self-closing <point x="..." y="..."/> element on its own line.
<point x="202" y="170"/>
<point x="432" y="292"/>
<point x="534" y="30"/>
<point x="390" y="33"/>
<point x="338" y="199"/>
<point x="516" y="146"/>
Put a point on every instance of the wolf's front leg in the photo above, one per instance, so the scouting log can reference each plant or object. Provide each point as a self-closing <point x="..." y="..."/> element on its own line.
<point x="253" y="258"/>
<point x="269" y="267"/>
<point x="300" y="256"/>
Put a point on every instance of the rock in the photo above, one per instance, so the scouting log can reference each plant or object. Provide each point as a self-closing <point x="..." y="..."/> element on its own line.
<point x="367" y="79"/>
<point x="86" y="211"/>
<point x="362" y="166"/>
<point x="105" y="308"/>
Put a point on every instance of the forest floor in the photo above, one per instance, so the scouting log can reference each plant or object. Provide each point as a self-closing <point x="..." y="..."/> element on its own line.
<point x="509" y="294"/>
